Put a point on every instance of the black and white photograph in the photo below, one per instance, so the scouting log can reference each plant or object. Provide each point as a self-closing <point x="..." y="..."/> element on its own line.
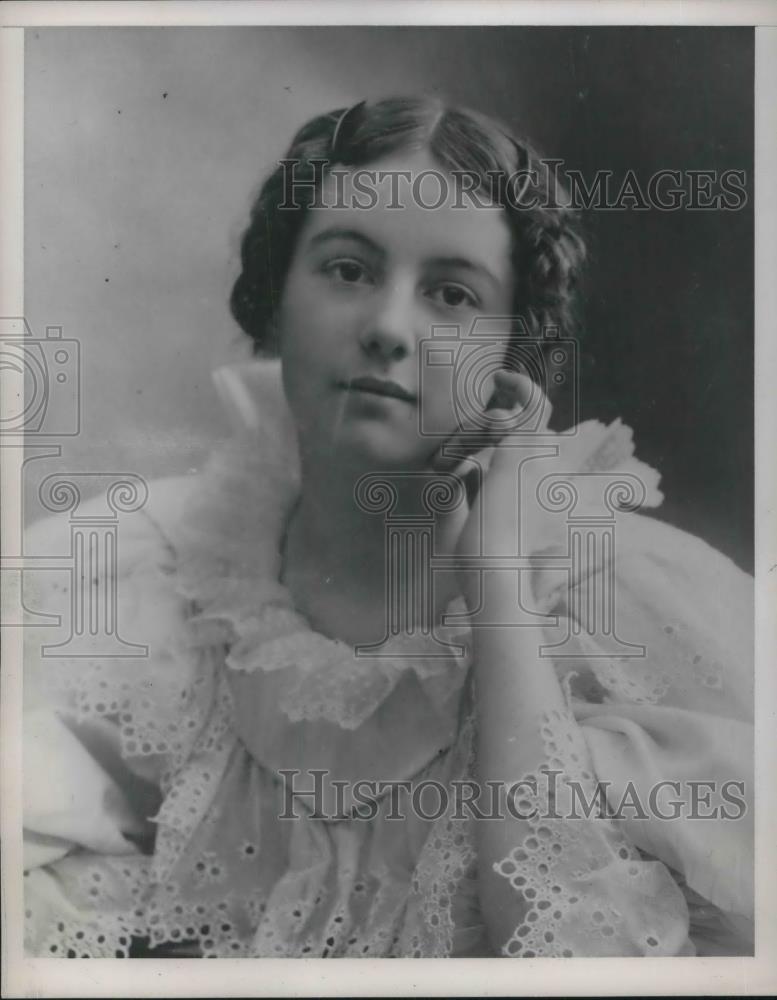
<point x="383" y="560"/>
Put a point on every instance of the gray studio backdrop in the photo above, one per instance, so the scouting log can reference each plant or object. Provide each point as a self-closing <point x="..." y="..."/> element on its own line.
<point x="143" y="148"/>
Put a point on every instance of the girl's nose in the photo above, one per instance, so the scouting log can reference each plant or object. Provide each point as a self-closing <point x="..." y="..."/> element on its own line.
<point x="389" y="333"/>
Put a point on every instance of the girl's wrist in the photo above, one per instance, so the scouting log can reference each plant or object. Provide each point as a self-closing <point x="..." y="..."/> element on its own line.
<point x="498" y="595"/>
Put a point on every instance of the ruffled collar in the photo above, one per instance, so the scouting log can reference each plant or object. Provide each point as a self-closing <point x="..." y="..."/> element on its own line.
<point x="230" y="567"/>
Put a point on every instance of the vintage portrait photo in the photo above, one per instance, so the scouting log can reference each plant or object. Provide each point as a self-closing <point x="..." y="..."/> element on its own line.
<point x="385" y="466"/>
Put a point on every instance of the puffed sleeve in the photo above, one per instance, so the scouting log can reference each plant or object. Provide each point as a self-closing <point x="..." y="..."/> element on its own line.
<point x="662" y="702"/>
<point x="93" y="759"/>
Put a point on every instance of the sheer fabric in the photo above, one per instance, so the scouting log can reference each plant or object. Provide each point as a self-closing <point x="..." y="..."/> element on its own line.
<point x="153" y="792"/>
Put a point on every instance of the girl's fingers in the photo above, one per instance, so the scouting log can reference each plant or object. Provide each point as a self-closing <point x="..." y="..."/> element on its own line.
<point x="511" y="407"/>
<point x="464" y="442"/>
<point x="535" y="403"/>
<point x="510" y="388"/>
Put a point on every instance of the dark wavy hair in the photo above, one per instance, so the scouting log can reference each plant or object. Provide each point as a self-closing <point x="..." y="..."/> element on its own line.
<point x="548" y="250"/>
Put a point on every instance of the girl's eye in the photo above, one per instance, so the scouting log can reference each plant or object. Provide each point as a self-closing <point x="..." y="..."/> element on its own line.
<point x="453" y="296"/>
<point x="347" y="271"/>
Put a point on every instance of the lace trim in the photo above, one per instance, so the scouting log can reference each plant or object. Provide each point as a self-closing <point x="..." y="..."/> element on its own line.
<point x="174" y="714"/>
<point x="445" y="876"/>
<point x="229" y="569"/>
<point x="572" y="872"/>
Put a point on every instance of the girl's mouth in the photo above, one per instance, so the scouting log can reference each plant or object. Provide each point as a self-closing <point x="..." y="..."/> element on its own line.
<point x="378" y="387"/>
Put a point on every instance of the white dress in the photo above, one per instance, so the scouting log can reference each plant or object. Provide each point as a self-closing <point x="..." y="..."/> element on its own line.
<point x="147" y="817"/>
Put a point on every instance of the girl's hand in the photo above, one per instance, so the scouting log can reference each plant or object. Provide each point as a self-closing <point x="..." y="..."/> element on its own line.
<point x="594" y="454"/>
<point x="488" y="525"/>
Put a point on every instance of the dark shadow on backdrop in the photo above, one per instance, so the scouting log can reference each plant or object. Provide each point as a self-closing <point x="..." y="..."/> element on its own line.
<point x="668" y="317"/>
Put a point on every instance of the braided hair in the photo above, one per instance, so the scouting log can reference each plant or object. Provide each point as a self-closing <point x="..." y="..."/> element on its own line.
<point x="548" y="249"/>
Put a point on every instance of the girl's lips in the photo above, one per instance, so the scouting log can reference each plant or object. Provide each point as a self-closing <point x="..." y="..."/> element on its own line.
<point x="378" y="387"/>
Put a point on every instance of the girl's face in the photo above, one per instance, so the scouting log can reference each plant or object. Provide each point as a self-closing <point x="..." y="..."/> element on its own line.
<point x="365" y="287"/>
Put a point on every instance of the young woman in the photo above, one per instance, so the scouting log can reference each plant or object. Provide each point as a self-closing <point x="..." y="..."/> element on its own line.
<point x="369" y="724"/>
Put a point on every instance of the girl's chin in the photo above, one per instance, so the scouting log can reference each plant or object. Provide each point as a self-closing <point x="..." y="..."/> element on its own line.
<point x="368" y="448"/>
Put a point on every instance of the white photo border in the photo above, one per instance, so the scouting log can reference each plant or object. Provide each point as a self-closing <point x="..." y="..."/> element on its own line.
<point x="23" y="977"/>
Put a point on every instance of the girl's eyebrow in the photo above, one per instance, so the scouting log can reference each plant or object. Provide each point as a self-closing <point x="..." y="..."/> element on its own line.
<point x="467" y="265"/>
<point x="338" y="233"/>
